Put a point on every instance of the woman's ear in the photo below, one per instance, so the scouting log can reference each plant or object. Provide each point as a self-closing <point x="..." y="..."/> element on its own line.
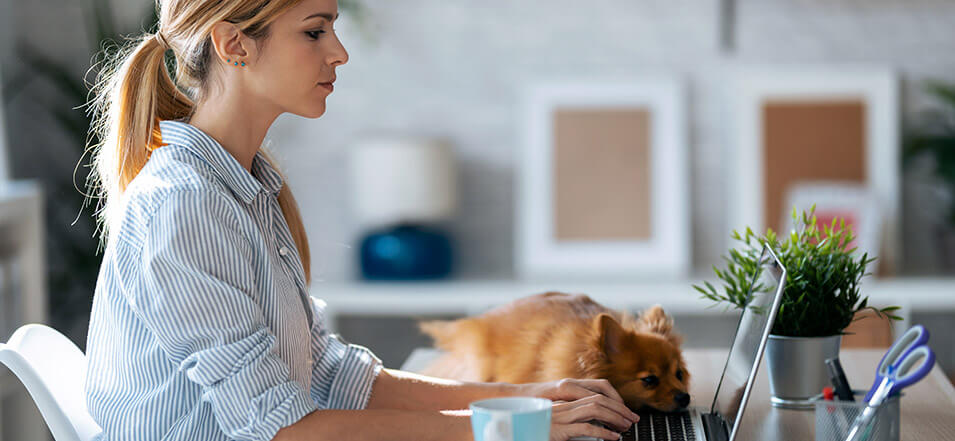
<point x="230" y="43"/>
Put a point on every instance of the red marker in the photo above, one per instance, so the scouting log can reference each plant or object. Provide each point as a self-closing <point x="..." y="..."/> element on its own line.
<point x="828" y="394"/>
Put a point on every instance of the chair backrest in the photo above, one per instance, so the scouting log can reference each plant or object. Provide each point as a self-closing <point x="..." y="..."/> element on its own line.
<point x="53" y="370"/>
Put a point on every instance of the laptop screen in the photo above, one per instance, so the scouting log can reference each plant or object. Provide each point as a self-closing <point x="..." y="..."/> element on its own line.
<point x="751" y="334"/>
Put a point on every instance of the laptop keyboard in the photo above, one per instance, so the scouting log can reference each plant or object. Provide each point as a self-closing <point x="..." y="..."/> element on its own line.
<point x="658" y="426"/>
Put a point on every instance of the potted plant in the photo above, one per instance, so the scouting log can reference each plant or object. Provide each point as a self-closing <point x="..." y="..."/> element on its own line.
<point x="820" y="300"/>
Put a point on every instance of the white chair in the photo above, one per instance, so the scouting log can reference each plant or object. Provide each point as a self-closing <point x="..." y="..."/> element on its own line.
<point x="53" y="370"/>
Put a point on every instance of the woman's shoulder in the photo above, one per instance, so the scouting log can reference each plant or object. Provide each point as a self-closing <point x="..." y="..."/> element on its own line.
<point x="174" y="184"/>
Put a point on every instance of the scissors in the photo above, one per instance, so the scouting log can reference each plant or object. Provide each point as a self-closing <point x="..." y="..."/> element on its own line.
<point x="906" y="362"/>
<point x="915" y="336"/>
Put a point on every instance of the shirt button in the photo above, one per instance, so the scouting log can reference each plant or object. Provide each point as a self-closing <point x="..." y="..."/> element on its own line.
<point x="284" y="251"/>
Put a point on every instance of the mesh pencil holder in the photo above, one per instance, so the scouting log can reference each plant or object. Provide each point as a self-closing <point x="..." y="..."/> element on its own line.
<point x="834" y="419"/>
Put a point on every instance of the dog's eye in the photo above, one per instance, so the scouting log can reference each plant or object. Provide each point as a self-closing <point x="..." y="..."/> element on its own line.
<point x="679" y="374"/>
<point x="650" y="381"/>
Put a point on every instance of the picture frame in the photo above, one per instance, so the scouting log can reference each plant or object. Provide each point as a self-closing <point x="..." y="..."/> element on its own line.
<point x="795" y="125"/>
<point x="603" y="185"/>
<point x="851" y="202"/>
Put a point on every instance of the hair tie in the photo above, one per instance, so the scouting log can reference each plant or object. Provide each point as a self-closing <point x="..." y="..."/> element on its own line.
<point x="161" y="40"/>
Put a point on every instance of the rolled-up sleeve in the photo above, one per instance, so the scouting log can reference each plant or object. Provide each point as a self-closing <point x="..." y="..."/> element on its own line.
<point x="343" y="374"/>
<point x="196" y="298"/>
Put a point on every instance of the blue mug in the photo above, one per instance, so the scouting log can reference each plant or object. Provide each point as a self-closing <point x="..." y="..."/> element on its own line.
<point x="511" y="419"/>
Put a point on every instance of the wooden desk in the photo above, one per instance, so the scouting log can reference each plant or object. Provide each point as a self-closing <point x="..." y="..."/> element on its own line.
<point x="928" y="407"/>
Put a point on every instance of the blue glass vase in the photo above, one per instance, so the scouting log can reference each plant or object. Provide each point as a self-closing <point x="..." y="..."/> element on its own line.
<point x="406" y="252"/>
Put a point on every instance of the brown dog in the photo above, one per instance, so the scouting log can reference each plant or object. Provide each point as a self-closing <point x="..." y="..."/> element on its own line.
<point x="555" y="335"/>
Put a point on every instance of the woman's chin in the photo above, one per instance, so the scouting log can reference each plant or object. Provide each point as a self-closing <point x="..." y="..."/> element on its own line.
<point x="313" y="112"/>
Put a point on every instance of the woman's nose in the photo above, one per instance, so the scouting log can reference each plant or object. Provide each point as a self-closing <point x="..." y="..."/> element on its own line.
<point x="339" y="56"/>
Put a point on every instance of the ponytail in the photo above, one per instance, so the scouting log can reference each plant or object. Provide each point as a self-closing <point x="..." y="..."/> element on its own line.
<point x="135" y="91"/>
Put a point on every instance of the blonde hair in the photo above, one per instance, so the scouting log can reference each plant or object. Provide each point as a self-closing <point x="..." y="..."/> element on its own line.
<point x="134" y="91"/>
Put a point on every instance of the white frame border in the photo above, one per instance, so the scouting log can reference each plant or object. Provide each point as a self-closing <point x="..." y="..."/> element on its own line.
<point x="876" y="86"/>
<point x="667" y="253"/>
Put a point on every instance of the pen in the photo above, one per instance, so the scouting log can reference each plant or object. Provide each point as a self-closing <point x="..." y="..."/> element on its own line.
<point x="838" y="378"/>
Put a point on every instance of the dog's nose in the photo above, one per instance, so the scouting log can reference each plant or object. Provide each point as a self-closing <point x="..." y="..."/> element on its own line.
<point x="682" y="399"/>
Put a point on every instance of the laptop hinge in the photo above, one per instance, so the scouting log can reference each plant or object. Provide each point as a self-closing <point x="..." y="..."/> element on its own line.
<point x="714" y="427"/>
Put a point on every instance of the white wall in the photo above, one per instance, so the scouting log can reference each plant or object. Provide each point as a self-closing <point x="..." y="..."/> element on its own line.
<point x="455" y="68"/>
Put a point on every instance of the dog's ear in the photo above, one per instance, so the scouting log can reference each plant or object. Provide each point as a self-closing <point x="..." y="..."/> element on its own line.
<point x="655" y="321"/>
<point x="610" y="334"/>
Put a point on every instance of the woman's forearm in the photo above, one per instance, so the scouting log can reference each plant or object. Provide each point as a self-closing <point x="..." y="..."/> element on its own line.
<point x="396" y="425"/>
<point x="403" y="405"/>
<point x="394" y="389"/>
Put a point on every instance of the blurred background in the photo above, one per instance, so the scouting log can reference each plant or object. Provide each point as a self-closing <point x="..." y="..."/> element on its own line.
<point x="438" y="90"/>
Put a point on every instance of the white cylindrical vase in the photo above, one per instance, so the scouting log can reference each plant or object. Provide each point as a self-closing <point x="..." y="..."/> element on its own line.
<point x="403" y="179"/>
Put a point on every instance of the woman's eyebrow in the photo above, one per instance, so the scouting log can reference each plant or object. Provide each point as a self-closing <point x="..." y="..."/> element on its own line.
<point x="326" y="15"/>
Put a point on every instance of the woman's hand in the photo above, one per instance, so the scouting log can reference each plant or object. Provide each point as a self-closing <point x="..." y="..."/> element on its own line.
<point x="577" y="402"/>
<point x="570" y="389"/>
<point x="576" y="418"/>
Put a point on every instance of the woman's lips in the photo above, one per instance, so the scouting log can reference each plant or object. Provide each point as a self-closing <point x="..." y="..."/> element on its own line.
<point x="329" y="86"/>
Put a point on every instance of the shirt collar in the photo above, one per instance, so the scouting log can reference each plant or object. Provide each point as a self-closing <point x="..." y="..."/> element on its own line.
<point x="239" y="180"/>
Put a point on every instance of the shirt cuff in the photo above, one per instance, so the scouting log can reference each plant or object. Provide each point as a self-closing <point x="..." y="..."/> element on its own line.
<point x="276" y="408"/>
<point x="344" y="374"/>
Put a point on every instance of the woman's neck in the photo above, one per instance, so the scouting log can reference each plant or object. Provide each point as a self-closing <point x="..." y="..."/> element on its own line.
<point x="236" y="123"/>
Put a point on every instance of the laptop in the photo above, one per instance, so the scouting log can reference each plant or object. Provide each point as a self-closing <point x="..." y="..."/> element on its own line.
<point x="721" y="421"/>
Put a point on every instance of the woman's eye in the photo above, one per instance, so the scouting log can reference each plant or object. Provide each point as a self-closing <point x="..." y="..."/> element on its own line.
<point x="313" y="34"/>
<point x="650" y="381"/>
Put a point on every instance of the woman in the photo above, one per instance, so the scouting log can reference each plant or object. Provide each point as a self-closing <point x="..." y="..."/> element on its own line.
<point x="202" y="326"/>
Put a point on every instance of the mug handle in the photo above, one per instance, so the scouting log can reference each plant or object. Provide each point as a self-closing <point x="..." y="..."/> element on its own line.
<point x="499" y="428"/>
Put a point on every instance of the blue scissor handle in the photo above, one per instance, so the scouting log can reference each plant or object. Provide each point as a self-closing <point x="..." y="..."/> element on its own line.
<point x="907" y="372"/>
<point x="915" y="336"/>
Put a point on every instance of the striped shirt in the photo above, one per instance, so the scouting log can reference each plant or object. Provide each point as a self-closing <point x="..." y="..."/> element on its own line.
<point x="202" y="326"/>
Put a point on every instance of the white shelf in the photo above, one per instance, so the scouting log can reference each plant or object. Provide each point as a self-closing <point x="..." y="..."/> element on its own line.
<point x="677" y="297"/>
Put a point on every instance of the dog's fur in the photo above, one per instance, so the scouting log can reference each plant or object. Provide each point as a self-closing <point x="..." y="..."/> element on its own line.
<point x="554" y="335"/>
